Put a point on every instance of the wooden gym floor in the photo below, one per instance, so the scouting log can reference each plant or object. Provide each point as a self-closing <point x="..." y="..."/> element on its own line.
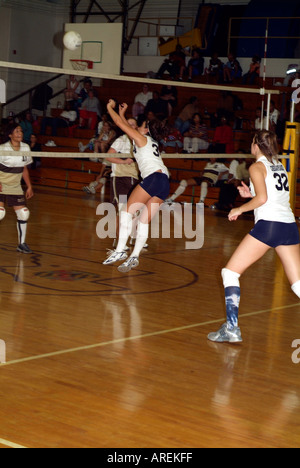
<point x="95" y="358"/>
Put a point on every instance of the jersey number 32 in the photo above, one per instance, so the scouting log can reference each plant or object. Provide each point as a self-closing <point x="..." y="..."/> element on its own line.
<point x="282" y="182"/>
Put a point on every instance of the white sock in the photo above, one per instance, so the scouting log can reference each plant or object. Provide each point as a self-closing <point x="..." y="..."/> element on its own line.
<point x="141" y="239"/>
<point x="125" y="230"/>
<point x="204" y="189"/>
<point x="296" y="288"/>
<point x="180" y="190"/>
<point x="22" y="229"/>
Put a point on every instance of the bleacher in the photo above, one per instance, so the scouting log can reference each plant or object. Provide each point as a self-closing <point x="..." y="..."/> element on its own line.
<point x="74" y="174"/>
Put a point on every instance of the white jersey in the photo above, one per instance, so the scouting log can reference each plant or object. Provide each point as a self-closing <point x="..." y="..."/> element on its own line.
<point x="11" y="169"/>
<point x="149" y="159"/>
<point x="123" y="145"/>
<point x="277" y="208"/>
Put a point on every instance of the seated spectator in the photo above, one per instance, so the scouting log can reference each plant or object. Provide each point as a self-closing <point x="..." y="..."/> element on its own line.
<point x="157" y="106"/>
<point x="169" y="95"/>
<point x="196" y="64"/>
<point x="82" y="93"/>
<point x="212" y="176"/>
<point x="105" y="138"/>
<point x="254" y="71"/>
<point x="232" y="69"/>
<point x="90" y="111"/>
<point x="173" y="139"/>
<point x="70" y="91"/>
<point x="174" y="65"/>
<point x="196" y="137"/>
<point x="65" y="120"/>
<point x="274" y="116"/>
<point x="182" y="123"/>
<point x="225" y="108"/>
<point x="257" y="122"/>
<point x="91" y="143"/>
<point x="141" y="100"/>
<point x="215" y="69"/>
<point x="223" y="141"/>
<point x="26" y="125"/>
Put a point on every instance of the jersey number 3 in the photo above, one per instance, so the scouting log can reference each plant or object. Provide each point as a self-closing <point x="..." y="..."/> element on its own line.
<point x="282" y="182"/>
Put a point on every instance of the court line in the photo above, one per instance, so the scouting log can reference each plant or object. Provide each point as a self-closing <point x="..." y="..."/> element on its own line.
<point x="138" y="337"/>
<point x="10" y="444"/>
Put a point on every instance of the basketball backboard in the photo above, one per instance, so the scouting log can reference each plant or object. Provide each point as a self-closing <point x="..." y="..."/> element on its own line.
<point x="101" y="44"/>
<point x="2" y="92"/>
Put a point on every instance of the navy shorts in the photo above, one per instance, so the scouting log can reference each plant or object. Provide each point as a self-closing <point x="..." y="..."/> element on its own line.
<point x="274" y="234"/>
<point x="157" y="185"/>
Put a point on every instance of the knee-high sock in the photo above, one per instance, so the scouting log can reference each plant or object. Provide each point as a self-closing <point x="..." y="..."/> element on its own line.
<point x="180" y="190"/>
<point x="125" y="230"/>
<point x="204" y="189"/>
<point x="296" y="288"/>
<point x="141" y="239"/>
<point x="22" y="230"/>
<point x="232" y="296"/>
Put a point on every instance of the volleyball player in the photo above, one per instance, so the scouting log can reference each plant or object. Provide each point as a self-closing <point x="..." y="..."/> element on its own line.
<point x="275" y="227"/>
<point x="149" y="194"/>
<point x="12" y="170"/>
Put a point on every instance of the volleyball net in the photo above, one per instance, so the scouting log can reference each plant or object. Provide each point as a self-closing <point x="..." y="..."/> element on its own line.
<point x="20" y="79"/>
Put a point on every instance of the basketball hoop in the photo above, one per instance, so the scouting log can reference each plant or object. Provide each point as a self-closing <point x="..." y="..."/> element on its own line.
<point x="81" y="65"/>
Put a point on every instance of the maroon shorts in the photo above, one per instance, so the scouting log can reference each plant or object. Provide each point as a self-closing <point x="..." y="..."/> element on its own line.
<point x="13" y="200"/>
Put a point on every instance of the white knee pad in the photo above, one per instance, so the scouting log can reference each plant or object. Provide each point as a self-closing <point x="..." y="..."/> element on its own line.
<point x="23" y="214"/>
<point x="296" y="288"/>
<point x="2" y="213"/>
<point x="230" y="278"/>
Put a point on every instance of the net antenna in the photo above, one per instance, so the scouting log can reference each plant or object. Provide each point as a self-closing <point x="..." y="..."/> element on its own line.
<point x="81" y="65"/>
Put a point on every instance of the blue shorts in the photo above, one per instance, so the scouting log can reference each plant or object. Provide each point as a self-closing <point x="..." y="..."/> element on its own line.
<point x="157" y="185"/>
<point x="274" y="234"/>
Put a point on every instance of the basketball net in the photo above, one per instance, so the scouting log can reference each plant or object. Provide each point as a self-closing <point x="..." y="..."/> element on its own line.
<point x="81" y="65"/>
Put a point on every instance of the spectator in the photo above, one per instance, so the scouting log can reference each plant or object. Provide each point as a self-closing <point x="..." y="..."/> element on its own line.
<point x="173" y="139"/>
<point x="257" y="122"/>
<point x="274" y="116"/>
<point x="182" y="123"/>
<point x="141" y="100"/>
<point x="223" y="139"/>
<point x="196" y="64"/>
<point x="215" y="68"/>
<point x="26" y="125"/>
<point x="174" y="65"/>
<point x="196" y="137"/>
<point x="254" y="71"/>
<point x="169" y="95"/>
<point x="65" y="120"/>
<point x="157" y="106"/>
<point x="232" y="69"/>
<point x="70" y="91"/>
<point x="90" y="111"/>
<point x="105" y="138"/>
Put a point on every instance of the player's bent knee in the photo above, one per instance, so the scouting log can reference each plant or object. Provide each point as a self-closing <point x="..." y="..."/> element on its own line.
<point x="2" y="213"/>
<point x="230" y="278"/>
<point x="184" y="183"/>
<point x="23" y="214"/>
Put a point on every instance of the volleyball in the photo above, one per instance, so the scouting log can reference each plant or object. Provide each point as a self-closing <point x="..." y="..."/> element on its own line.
<point x="72" y="40"/>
